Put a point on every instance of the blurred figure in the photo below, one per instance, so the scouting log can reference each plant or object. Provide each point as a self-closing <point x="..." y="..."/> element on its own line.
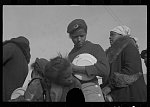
<point x="144" y="56"/>
<point x="77" y="30"/>
<point x="16" y="57"/>
<point x="126" y="81"/>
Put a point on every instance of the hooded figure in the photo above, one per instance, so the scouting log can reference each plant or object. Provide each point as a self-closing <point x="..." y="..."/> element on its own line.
<point x="16" y="57"/>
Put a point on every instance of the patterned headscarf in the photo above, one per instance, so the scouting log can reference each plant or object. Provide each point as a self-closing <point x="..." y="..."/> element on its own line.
<point x="123" y="30"/>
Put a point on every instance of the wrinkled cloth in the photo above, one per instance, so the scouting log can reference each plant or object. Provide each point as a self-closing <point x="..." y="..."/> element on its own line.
<point x="34" y="92"/>
<point x="123" y="30"/>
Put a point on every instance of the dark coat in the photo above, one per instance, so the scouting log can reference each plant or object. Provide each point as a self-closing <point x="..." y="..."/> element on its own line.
<point x="16" y="56"/>
<point x="101" y="68"/>
<point x="126" y="76"/>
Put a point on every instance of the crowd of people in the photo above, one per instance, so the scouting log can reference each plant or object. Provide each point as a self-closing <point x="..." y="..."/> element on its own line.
<point x="54" y="80"/>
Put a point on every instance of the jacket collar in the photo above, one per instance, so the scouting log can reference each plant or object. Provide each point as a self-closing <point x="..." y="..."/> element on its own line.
<point x="117" y="47"/>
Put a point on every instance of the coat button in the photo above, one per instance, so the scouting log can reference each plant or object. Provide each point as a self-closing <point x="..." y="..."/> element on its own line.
<point x="96" y="85"/>
<point x="99" y="94"/>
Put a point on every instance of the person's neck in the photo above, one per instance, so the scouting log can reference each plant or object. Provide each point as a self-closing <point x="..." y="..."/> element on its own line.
<point x="76" y="47"/>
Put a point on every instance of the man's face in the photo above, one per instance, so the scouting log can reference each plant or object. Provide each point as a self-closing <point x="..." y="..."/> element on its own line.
<point x="113" y="37"/>
<point x="66" y="77"/>
<point x="78" y="38"/>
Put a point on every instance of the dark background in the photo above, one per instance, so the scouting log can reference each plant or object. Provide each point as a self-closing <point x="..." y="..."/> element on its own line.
<point x="75" y="2"/>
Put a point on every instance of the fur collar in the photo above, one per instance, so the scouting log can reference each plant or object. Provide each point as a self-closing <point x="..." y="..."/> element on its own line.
<point x="117" y="47"/>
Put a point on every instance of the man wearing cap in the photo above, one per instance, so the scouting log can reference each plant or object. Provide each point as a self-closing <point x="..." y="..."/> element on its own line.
<point x="144" y="56"/>
<point x="77" y="30"/>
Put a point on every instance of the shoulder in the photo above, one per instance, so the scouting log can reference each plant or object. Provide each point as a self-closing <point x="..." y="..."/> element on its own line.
<point x="131" y="47"/>
<point x="97" y="46"/>
<point x="9" y="46"/>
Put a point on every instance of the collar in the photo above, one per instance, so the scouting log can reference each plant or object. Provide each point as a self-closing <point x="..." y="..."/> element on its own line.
<point x="117" y="47"/>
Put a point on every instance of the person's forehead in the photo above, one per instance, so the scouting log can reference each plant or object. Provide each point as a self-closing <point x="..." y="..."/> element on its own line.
<point x="78" y="32"/>
<point x="113" y="33"/>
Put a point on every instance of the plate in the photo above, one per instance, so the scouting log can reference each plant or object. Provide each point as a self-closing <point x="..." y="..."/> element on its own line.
<point x="17" y="92"/>
<point x="84" y="59"/>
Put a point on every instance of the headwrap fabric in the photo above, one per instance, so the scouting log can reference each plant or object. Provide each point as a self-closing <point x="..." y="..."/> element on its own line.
<point x="123" y="30"/>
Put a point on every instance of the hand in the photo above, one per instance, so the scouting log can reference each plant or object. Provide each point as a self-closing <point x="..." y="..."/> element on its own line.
<point x="78" y="69"/>
<point x="106" y="90"/>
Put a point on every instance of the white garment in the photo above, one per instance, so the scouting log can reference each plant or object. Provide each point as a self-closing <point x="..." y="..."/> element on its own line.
<point x="123" y="30"/>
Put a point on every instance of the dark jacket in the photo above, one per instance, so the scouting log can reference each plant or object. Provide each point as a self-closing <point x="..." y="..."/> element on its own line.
<point x="16" y="56"/>
<point x="101" y="68"/>
<point x="126" y="77"/>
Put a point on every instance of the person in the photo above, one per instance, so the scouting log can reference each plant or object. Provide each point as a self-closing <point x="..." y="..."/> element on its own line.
<point x="16" y="57"/>
<point x="51" y="81"/>
<point x="77" y="30"/>
<point x="34" y="91"/>
<point x="58" y="73"/>
<point x="126" y="81"/>
<point x="144" y="56"/>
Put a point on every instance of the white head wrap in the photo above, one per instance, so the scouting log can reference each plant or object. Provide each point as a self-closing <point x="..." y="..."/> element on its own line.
<point x="123" y="30"/>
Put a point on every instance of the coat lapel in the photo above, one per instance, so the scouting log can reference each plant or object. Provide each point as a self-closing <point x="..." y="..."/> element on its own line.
<point x="113" y="51"/>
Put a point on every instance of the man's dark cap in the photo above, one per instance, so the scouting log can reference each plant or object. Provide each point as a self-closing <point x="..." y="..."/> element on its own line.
<point x="76" y="24"/>
<point x="143" y="53"/>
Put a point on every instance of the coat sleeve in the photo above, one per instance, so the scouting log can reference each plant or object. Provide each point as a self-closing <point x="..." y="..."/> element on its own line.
<point x="101" y="68"/>
<point x="8" y="51"/>
<point x="131" y="68"/>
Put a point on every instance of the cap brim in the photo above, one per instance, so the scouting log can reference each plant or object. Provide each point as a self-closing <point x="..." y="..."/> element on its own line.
<point x="79" y="32"/>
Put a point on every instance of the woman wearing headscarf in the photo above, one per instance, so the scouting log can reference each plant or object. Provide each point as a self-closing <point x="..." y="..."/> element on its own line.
<point x="16" y="57"/>
<point x="126" y="81"/>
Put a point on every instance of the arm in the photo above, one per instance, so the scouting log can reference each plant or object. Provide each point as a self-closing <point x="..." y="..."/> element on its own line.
<point x="130" y="69"/>
<point x="101" y="68"/>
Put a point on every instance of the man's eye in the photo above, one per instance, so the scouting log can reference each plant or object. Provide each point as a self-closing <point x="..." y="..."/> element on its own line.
<point x="81" y="35"/>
